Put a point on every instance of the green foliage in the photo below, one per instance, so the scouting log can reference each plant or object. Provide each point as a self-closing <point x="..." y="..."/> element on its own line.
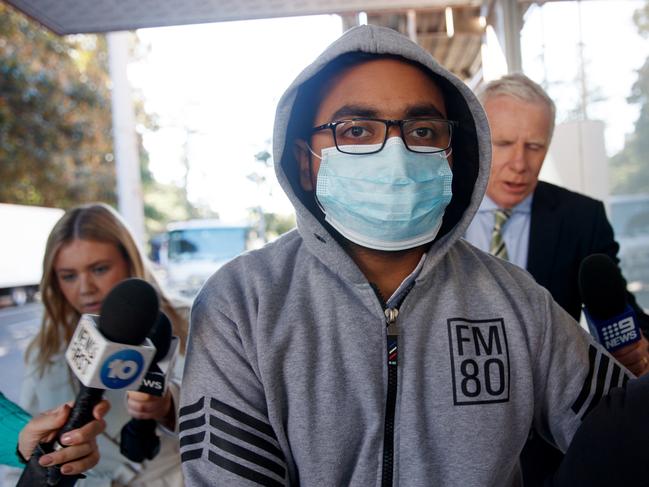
<point x="56" y="125"/>
<point x="277" y="224"/>
<point x="55" y="119"/>
<point x="630" y="167"/>
<point x="273" y="224"/>
<point x="163" y="203"/>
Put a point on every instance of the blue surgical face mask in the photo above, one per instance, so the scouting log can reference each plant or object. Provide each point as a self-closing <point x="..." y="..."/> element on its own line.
<point x="391" y="200"/>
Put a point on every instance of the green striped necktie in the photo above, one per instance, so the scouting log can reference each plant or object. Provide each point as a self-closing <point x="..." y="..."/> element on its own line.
<point x="497" y="246"/>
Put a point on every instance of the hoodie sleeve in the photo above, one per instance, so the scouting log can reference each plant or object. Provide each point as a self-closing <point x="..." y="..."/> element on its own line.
<point x="225" y="435"/>
<point x="572" y="373"/>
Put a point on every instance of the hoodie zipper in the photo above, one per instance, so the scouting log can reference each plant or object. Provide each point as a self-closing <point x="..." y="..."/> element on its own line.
<point x="388" y="432"/>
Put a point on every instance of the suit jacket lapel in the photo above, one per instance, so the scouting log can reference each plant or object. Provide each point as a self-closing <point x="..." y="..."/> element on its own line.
<point x="545" y="228"/>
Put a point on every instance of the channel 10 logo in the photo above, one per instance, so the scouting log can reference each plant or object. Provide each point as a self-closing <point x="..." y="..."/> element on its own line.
<point x="121" y="369"/>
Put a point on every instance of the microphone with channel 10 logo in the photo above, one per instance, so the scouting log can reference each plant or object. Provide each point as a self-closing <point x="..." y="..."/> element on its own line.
<point x="110" y="351"/>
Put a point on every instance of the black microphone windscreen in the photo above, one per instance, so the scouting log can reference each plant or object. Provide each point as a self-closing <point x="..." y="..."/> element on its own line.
<point x="160" y="335"/>
<point x="129" y="311"/>
<point x="602" y="287"/>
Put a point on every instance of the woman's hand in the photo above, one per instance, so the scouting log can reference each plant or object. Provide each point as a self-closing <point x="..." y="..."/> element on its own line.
<point x="635" y="357"/>
<point x="146" y="406"/>
<point x="81" y="453"/>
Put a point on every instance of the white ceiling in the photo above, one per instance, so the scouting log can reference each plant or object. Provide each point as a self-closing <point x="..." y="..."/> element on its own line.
<point x="83" y="16"/>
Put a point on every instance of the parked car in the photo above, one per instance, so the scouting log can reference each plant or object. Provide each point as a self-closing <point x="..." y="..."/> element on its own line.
<point x="630" y="220"/>
<point x="191" y="251"/>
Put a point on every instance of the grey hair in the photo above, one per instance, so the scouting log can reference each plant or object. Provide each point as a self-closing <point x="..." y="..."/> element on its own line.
<point x="519" y="86"/>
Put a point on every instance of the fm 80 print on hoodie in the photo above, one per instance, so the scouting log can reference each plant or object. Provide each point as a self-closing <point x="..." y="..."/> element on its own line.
<point x="289" y="379"/>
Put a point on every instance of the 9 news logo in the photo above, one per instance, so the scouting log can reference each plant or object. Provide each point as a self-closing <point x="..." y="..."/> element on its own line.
<point x="121" y="369"/>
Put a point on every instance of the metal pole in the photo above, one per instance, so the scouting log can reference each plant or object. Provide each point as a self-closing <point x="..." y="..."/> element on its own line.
<point x="512" y="24"/>
<point x="582" y="67"/>
<point x="127" y="165"/>
<point x="412" y="24"/>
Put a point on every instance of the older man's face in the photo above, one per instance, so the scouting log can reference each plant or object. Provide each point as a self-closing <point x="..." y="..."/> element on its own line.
<point x="520" y="137"/>
<point x="382" y="88"/>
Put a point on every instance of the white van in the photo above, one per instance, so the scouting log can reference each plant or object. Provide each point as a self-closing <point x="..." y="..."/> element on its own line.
<point x="191" y="251"/>
<point x="24" y="234"/>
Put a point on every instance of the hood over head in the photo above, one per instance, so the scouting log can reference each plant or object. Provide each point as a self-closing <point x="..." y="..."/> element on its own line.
<point x="471" y="144"/>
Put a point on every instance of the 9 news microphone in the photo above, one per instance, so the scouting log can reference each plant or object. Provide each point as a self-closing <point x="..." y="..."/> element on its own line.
<point x="610" y="319"/>
<point x="138" y="440"/>
<point x="106" y="352"/>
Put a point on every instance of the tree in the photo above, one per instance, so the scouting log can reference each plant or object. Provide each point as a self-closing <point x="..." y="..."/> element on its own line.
<point x="55" y="119"/>
<point x="267" y="225"/>
<point x="56" y="126"/>
<point x="164" y="203"/>
<point x="277" y="224"/>
<point x="630" y="167"/>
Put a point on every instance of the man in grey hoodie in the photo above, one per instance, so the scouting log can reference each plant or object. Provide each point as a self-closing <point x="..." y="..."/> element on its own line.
<point x="373" y="346"/>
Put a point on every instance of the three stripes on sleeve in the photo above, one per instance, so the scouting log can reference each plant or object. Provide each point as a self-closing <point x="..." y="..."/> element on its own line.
<point x="603" y="375"/>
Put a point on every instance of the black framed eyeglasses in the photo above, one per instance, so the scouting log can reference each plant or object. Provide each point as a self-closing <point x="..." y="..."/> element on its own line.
<point x="368" y="135"/>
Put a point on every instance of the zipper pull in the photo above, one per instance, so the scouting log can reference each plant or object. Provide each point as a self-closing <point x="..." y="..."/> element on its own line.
<point x="391" y="321"/>
<point x="393" y="336"/>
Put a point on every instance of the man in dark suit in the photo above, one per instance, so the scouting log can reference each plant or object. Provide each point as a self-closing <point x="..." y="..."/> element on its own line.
<point x="544" y="228"/>
<point x="565" y="228"/>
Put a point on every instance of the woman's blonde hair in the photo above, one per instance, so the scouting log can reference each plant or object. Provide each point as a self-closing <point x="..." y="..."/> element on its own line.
<point x="99" y="223"/>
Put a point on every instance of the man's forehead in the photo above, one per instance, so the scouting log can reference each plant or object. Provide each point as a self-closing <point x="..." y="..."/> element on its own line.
<point x="503" y="105"/>
<point x="381" y="86"/>
<point x="511" y="114"/>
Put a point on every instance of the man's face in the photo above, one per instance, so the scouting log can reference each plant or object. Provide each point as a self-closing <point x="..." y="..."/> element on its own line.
<point x="520" y="136"/>
<point x="382" y="88"/>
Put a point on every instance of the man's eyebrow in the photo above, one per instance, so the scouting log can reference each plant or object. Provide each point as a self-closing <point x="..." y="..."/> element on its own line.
<point x="353" y="111"/>
<point x="424" y="110"/>
<point x="347" y="111"/>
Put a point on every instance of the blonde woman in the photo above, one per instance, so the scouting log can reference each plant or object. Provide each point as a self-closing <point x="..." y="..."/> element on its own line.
<point x="89" y="251"/>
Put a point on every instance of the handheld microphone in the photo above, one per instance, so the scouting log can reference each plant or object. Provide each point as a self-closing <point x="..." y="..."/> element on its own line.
<point x="105" y="352"/>
<point x="610" y="319"/>
<point x="138" y="440"/>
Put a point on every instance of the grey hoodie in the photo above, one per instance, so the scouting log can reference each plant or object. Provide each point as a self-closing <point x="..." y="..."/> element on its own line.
<point x="287" y="380"/>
